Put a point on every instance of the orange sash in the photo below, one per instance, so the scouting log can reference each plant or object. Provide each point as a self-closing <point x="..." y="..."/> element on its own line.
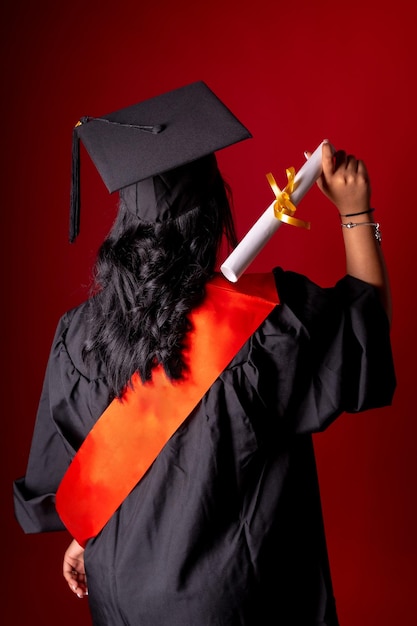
<point x="131" y="432"/>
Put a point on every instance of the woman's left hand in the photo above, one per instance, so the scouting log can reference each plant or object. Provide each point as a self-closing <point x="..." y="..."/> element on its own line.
<point x="73" y="569"/>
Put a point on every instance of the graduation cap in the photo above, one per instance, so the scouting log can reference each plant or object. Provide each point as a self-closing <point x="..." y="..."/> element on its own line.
<point x="151" y="138"/>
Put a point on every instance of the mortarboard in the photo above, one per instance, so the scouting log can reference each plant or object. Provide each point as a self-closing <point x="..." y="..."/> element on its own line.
<point x="153" y="137"/>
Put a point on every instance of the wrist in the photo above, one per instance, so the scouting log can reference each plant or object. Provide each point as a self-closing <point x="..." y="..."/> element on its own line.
<point x="348" y="225"/>
<point x="364" y="215"/>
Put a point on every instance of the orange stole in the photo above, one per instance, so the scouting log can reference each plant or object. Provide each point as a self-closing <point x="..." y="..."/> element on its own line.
<point x="131" y="432"/>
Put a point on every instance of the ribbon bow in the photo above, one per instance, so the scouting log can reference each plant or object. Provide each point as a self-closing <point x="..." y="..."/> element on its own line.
<point x="284" y="209"/>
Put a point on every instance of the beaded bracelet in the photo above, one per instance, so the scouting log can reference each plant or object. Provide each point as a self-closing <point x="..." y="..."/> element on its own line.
<point x="377" y="230"/>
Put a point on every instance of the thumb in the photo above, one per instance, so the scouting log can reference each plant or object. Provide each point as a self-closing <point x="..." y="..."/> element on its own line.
<point x="327" y="159"/>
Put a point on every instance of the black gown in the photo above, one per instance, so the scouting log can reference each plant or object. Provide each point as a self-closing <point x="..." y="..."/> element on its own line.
<point x="225" y="528"/>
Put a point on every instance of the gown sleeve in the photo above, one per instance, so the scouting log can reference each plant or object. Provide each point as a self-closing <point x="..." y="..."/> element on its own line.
<point x="34" y="494"/>
<point x="70" y="402"/>
<point x="322" y="352"/>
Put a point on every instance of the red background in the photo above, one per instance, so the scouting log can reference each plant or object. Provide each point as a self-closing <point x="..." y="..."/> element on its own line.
<point x="294" y="73"/>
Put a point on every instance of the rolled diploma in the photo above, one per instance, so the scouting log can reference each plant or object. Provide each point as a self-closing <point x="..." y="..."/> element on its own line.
<point x="263" y="229"/>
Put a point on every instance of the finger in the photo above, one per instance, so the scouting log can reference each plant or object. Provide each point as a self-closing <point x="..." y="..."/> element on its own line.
<point x="79" y="588"/>
<point x="307" y="154"/>
<point x="76" y="580"/>
<point x="340" y="159"/>
<point x="362" y="169"/>
<point x="327" y="159"/>
<point x="73" y="584"/>
<point x="69" y="574"/>
<point x="351" y="163"/>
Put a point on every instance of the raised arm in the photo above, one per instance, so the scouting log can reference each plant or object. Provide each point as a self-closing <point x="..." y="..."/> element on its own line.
<point x="345" y="182"/>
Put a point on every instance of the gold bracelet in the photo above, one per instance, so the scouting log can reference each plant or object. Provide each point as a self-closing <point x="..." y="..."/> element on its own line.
<point x="377" y="231"/>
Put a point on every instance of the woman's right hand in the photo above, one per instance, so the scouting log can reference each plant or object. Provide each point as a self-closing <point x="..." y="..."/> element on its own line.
<point x="344" y="181"/>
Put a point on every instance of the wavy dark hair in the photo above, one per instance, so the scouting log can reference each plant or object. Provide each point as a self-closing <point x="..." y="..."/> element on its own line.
<point x="147" y="279"/>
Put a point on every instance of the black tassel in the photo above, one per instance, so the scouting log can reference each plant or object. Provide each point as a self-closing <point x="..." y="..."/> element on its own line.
<point x="75" y="199"/>
<point x="74" y="226"/>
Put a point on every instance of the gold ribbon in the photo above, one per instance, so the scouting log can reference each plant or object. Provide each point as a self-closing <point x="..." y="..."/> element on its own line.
<point x="284" y="209"/>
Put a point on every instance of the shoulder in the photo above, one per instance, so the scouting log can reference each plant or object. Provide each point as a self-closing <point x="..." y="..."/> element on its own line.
<point x="70" y="339"/>
<point x="72" y="324"/>
<point x="302" y="294"/>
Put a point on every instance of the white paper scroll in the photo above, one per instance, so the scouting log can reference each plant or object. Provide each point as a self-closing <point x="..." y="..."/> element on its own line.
<point x="261" y="232"/>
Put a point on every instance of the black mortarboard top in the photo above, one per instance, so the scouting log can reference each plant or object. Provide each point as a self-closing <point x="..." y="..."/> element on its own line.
<point x="152" y="137"/>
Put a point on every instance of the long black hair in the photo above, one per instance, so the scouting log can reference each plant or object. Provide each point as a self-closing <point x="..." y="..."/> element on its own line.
<point x="147" y="279"/>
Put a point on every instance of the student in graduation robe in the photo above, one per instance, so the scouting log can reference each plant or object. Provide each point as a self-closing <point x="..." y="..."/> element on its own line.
<point x="222" y="526"/>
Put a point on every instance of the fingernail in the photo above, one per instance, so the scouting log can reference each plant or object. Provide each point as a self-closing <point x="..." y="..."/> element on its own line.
<point x="305" y="154"/>
<point x="79" y="595"/>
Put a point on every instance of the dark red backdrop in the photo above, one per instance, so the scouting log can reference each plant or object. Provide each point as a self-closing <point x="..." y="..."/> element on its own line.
<point x="294" y="74"/>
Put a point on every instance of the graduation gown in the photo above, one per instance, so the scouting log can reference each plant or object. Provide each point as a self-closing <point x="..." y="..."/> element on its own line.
<point x="225" y="528"/>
